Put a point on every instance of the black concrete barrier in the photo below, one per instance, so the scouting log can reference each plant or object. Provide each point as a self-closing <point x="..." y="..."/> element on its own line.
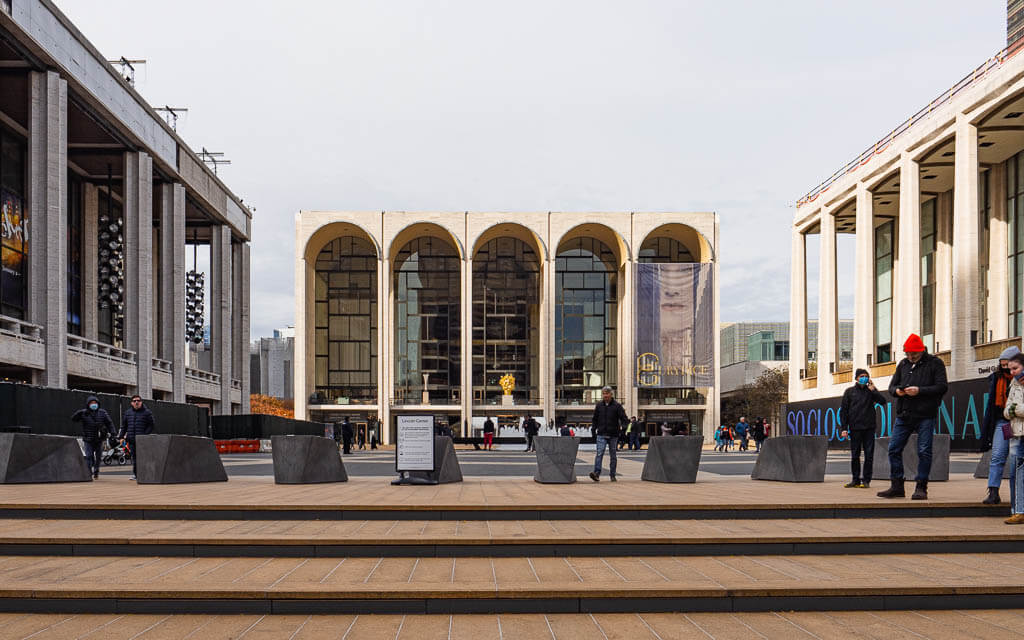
<point x="174" y="459"/>
<point x="672" y="459"/>
<point x="940" y="458"/>
<point x="28" y="458"/>
<point x="257" y="426"/>
<point x="307" y="460"/>
<point x="792" y="459"/>
<point x="446" y="465"/>
<point x="556" y="459"/>
<point x="986" y="459"/>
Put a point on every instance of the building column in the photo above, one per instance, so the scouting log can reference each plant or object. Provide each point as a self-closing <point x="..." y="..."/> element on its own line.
<point x="385" y="342"/>
<point x="965" y="248"/>
<point x="303" y="359"/>
<point x="864" y="278"/>
<point x="220" y="311"/>
<point x="138" y="241"/>
<point x="797" y="314"/>
<point x="466" y="340"/>
<point x="242" y="327"/>
<point x="944" y="270"/>
<point x="827" y="311"/>
<point x="90" y="261"/>
<point x="627" y="353"/>
<point x="998" y="280"/>
<point x="47" y="206"/>
<point x="907" y="267"/>
<point x="172" y="284"/>
<point x="548" y="309"/>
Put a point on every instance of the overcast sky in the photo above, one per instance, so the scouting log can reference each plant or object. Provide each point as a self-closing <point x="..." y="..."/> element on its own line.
<point x="734" y="107"/>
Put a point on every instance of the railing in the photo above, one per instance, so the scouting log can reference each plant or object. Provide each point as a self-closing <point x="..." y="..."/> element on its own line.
<point x="880" y="146"/>
<point x="236" y="384"/>
<point x="202" y="376"/>
<point x="100" y="349"/>
<point x="163" y="365"/>
<point x="20" y="329"/>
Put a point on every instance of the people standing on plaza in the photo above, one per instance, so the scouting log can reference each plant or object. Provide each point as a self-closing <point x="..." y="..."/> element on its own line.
<point x="634" y="433"/>
<point x="530" y="429"/>
<point x="608" y="417"/>
<point x="96" y="426"/>
<point x="993" y="434"/>
<point x="346" y="436"/>
<point x="361" y="439"/>
<point x="137" y="421"/>
<point x="720" y="438"/>
<point x="1014" y="412"/>
<point x="757" y="433"/>
<point x="488" y="434"/>
<point x="857" y="420"/>
<point x="742" y="432"/>
<point x="665" y="429"/>
<point x="918" y="385"/>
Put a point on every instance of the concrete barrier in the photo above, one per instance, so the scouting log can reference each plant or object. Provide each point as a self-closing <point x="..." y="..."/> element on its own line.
<point x="792" y="459"/>
<point x="672" y="459"/>
<point x="306" y="460"/>
<point x="446" y="466"/>
<point x="986" y="459"/>
<point x="174" y="459"/>
<point x="940" y="458"/>
<point x="28" y="458"/>
<point x="556" y="459"/>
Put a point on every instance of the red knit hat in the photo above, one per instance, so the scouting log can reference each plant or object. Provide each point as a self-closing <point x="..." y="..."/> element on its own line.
<point x="913" y="344"/>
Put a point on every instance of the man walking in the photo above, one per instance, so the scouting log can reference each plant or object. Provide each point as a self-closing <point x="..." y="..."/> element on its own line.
<point x="531" y="429"/>
<point x="918" y="386"/>
<point x="346" y="436"/>
<point x="608" y="417"/>
<point x="857" y="419"/>
<point x="138" y="421"/>
<point x="96" y="426"/>
<point x="742" y="432"/>
<point x="488" y="433"/>
<point x="634" y="434"/>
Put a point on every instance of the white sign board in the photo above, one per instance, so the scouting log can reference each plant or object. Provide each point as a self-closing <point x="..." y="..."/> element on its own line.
<point x="414" y="450"/>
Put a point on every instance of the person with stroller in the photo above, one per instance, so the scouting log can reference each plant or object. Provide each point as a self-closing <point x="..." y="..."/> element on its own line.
<point x="138" y="421"/>
<point x="96" y="426"/>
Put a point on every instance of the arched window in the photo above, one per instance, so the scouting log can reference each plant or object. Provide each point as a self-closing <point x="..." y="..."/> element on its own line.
<point x="346" y="321"/>
<point x="427" y="321"/>
<point x="660" y="249"/>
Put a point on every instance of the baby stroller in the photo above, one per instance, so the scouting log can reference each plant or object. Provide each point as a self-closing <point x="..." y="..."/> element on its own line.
<point x="119" y="453"/>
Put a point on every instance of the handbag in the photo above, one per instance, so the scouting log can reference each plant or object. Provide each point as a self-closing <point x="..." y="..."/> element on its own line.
<point x="1007" y="431"/>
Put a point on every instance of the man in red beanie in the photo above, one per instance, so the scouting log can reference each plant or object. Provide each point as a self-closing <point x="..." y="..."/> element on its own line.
<point x="918" y="386"/>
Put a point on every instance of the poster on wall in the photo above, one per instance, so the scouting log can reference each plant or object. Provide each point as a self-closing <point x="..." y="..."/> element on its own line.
<point x="674" y="330"/>
<point x="414" y="447"/>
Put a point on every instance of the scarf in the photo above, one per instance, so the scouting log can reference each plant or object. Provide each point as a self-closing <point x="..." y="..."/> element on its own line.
<point x="1002" y="389"/>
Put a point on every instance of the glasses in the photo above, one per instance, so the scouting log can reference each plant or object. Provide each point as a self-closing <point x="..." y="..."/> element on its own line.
<point x="136" y="401"/>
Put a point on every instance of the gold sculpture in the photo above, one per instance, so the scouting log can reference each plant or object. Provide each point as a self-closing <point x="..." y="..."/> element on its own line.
<point x="508" y="383"/>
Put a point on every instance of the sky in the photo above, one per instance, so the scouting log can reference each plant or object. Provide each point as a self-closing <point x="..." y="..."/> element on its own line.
<point x="735" y="107"/>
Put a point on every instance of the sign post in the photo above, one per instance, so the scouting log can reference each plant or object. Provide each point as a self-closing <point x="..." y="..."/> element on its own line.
<point x="414" y="447"/>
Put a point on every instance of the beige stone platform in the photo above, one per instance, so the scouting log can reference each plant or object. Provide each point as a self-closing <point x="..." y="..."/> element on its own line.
<point x="929" y="625"/>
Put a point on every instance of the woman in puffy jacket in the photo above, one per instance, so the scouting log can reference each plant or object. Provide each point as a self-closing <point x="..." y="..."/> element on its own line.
<point x="1014" y="412"/>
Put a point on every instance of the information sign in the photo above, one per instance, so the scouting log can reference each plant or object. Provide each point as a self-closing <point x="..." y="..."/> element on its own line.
<point x="414" y="450"/>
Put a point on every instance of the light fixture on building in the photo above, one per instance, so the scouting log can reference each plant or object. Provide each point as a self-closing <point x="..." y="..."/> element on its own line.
<point x="111" y="263"/>
<point x="195" y="293"/>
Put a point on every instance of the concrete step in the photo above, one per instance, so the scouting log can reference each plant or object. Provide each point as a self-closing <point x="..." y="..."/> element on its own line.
<point x="523" y="538"/>
<point x="305" y="586"/>
<point x="830" y="625"/>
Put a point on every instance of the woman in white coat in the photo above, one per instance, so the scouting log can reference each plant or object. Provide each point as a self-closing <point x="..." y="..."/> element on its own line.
<point x="1014" y="412"/>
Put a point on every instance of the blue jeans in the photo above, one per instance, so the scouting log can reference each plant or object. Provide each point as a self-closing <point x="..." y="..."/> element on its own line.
<point x="901" y="431"/>
<point x="634" y="441"/>
<point x="93" y="449"/>
<point x="609" y="442"/>
<point x="1001" y="455"/>
<point x="1016" y="478"/>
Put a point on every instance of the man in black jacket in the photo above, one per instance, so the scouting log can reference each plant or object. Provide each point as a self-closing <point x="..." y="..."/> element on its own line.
<point x="918" y="386"/>
<point x="531" y="427"/>
<point x="96" y="425"/>
<point x="608" y="417"/>
<point x="346" y="436"/>
<point x="138" y="421"/>
<point x="857" y="419"/>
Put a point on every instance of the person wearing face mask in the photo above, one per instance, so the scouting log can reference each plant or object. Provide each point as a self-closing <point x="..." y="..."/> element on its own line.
<point x="857" y="419"/>
<point x="918" y="385"/>
<point x="1014" y="412"/>
<point x="96" y="424"/>
<point x="993" y="436"/>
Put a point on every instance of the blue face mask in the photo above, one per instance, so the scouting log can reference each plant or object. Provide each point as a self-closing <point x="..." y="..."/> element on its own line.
<point x="863" y="380"/>
<point x="93" y="407"/>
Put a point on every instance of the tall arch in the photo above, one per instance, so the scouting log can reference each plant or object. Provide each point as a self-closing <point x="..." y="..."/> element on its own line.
<point x="675" y="242"/>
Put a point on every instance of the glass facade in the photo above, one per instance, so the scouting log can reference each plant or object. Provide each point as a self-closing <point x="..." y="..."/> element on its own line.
<point x="1015" y="240"/>
<point x="883" y="291"/>
<point x="74" y="258"/>
<point x="345" y="318"/>
<point x="427" y="282"/>
<point x="506" y="320"/>
<point x="928" y="236"/>
<point x="586" y="308"/>
<point x="13" y="227"/>
<point x="984" y="215"/>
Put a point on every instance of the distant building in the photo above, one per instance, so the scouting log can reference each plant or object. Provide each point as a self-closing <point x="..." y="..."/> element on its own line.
<point x="270" y="364"/>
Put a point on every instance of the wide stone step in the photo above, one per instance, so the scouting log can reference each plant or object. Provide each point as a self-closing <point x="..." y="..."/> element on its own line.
<point x="827" y="625"/>
<point x="523" y="538"/>
<point x="509" y="585"/>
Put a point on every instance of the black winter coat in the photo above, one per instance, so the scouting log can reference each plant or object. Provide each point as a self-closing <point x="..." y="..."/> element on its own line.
<point x="993" y="414"/>
<point x="929" y="375"/>
<point x="95" y="424"/>
<point x="137" y="423"/>
<point x="608" y="418"/>
<point x="857" y="410"/>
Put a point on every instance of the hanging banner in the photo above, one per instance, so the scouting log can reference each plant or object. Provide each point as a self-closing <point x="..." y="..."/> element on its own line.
<point x="674" y="325"/>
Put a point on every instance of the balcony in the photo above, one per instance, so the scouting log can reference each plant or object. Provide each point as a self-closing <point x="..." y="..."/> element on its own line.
<point x="101" y="361"/>
<point x="22" y="343"/>
<point x="163" y="378"/>
<point x="202" y="384"/>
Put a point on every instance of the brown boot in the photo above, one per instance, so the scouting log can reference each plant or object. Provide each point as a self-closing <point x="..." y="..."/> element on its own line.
<point x="1017" y="518"/>
<point x="921" y="491"/>
<point x="895" y="489"/>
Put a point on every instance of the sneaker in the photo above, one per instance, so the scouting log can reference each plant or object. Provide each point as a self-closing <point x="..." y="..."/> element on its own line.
<point x="1017" y="518"/>
<point x="594" y="476"/>
<point x="95" y="476"/>
<point x="864" y="485"/>
<point x="852" y="485"/>
<point x="612" y="478"/>
<point x="132" y="478"/>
